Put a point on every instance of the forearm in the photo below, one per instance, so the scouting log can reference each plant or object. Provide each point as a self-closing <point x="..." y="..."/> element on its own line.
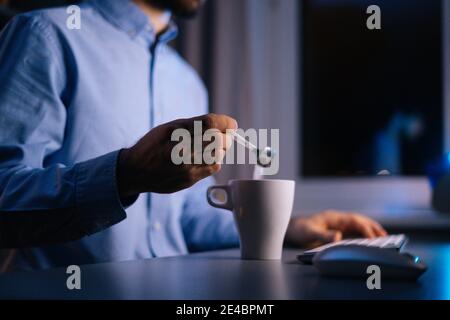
<point x="58" y="204"/>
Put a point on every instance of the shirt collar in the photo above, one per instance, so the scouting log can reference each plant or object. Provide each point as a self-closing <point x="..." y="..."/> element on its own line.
<point x="127" y="16"/>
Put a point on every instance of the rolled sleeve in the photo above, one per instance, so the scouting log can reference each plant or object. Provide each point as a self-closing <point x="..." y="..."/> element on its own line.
<point x="96" y="205"/>
<point x="97" y="197"/>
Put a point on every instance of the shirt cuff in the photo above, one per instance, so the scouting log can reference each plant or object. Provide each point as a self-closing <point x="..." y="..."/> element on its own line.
<point x="97" y="197"/>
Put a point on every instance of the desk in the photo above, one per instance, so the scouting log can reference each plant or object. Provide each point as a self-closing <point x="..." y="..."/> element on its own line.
<point x="222" y="275"/>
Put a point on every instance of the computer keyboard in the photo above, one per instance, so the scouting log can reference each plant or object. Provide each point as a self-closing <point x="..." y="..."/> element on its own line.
<point x="395" y="242"/>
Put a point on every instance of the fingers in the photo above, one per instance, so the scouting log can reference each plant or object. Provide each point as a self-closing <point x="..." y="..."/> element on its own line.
<point x="172" y="158"/>
<point x="198" y="125"/>
<point x="223" y="140"/>
<point x="327" y="236"/>
<point x="227" y="141"/>
<point x="214" y="148"/>
<point x="356" y="225"/>
<point x="216" y="121"/>
<point x="219" y="156"/>
<point x="379" y="230"/>
<point x="352" y="224"/>
<point x="200" y="172"/>
<point x="310" y="232"/>
<point x="219" y="122"/>
<point x="189" y="175"/>
<point x="375" y="227"/>
<point x="214" y="137"/>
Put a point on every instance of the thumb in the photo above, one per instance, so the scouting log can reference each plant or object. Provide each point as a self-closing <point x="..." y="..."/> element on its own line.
<point x="330" y="236"/>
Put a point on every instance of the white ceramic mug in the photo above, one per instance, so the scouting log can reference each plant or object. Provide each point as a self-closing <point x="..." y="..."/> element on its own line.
<point x="262" y="210"/>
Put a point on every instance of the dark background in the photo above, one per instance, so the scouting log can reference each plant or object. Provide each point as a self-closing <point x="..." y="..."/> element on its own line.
<point x="358" y="85"/>
<point x="357" y="81"/>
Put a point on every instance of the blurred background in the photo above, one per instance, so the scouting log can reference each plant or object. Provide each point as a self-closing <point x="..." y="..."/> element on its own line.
<point x="349" y="102"/>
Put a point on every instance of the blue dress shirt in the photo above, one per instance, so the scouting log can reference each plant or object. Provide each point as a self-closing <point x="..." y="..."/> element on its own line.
<point x="69" y="100"/>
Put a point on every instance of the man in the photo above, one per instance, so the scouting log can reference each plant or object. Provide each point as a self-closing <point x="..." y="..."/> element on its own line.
<point x="73" y="103"/>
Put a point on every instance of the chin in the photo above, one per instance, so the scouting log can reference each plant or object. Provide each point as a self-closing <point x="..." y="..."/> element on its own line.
<point x="180" y="8"/>
<point x="187" y="8"/>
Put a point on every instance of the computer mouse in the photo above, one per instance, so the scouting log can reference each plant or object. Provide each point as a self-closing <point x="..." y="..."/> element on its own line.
<point x="352" y="261"/>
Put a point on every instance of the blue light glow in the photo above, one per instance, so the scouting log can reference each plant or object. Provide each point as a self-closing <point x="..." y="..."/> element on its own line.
<point x="448" y="157"/>
<point x="416" y="259"/>
<point x="442" y="263"/>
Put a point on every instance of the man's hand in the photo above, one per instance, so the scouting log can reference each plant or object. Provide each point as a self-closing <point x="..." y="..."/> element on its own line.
<point x="331" y="226"/>
<point x="148" y="167"/>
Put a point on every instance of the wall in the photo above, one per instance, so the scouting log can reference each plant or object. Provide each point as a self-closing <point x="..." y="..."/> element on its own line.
<point x="252" y="73"/>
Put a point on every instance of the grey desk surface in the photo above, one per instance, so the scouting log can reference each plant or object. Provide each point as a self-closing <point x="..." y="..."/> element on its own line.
<point x="222" y="275"/>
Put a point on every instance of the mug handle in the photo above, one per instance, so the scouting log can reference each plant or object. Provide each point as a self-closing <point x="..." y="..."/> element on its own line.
<point x="226" y="205"/>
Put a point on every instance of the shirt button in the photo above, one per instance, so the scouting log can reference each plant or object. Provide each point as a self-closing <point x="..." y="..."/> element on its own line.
<point x="157" y="226"/>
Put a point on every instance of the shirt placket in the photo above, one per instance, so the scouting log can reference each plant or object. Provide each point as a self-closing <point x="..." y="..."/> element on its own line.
<point x="154" y="225"/>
